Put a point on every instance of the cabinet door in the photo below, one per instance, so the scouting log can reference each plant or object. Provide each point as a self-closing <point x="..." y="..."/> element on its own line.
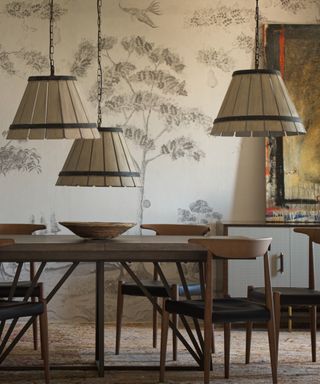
<point x="299" y="260"/>
<point x="250" y="272"/>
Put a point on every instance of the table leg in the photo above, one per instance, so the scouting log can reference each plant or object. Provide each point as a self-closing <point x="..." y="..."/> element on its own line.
<point x="100" y="317"/>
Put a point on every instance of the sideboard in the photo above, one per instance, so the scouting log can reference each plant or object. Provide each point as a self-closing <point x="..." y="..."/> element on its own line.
<point x="288" y="256"/>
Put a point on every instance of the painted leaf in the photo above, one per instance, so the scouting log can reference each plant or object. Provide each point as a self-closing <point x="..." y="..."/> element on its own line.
<point x="138" y="136"/>
<point x="13" y="158"/>
<point x="83" y="58"/>
<point x="182" y="147"/>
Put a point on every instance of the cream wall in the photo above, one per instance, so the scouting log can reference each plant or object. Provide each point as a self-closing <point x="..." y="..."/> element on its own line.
<point x="212" y="179"/>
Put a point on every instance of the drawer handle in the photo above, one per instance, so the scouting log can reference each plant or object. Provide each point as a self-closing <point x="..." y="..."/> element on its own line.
<point x="281" y="263"/>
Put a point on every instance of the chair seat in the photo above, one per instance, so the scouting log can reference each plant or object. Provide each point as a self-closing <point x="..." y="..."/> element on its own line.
<point x="15" y="309"/>
<point x="20" y="290"/>
<point x="224" y="310"/>
<point x="289" y="295"/>
<point x="156" y="289"/>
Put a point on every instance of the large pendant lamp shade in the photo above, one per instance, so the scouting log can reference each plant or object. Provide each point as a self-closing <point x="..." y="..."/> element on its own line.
<point x="103" y="162"/>
<point x="52" y="107"/>
<point x="257" y="103"/>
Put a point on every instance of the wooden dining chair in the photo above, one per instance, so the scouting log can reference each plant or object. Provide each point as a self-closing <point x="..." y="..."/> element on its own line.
<point x="225" y="310"/>
<point x="13" y="310"/>
<point x="23" y="286"/>
<point x="154" y="286"/>
<point x="294" y="296"/>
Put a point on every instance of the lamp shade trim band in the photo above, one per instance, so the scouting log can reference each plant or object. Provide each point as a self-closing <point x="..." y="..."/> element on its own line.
<point x="256" y="72"/>
<point x="53" y="126"/>
<point x="257" y="118"/>
<point x="99" y="173"/>
<point x="110" y="129"/>
<point x="51" y="78"/>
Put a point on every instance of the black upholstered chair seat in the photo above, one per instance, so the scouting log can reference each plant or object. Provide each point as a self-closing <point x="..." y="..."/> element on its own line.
<point x="226" y="310"/>
<point x="15" y="309"/>
<point x="157" y="289"/>
<point x="290" y="296"/>
<point x="20" y="290"/>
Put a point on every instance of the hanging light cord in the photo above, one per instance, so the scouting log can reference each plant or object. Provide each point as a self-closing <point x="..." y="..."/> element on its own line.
<point x="257" y="42"/>
<point x="51" y="46"/>
<point x="99" y="71"/>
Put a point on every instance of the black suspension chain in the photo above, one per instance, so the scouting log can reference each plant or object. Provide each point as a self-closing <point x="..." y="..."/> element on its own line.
<point x="99" y="71"/>
<point x="51" y="46"/>
<point x="257" y="41"/>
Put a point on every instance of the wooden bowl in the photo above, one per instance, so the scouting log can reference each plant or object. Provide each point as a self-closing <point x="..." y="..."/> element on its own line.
<point x="97" y="230"/>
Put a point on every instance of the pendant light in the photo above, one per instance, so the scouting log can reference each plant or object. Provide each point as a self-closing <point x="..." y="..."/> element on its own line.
<point x="257" y="103"/>
<point x="51" y="107"/>
<point x="104" y="162"/>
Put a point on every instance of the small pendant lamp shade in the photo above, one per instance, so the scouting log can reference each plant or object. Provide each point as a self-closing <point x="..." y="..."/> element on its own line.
<point x="103" y="162"/>
<point x="51" y="108"/>
<point x="257" y="103"/>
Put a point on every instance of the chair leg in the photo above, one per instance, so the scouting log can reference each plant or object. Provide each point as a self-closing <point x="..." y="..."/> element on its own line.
<point x="213" y="344"/>
<point x="33" y="300"/>
<point x="119" y="317"/>
<point x="273" y="350"/>
<point x="313" y="326"/>
<point x="290" y="319"/>
<point x="207" y="358"/>
<point x="248" y="329"/>
<point x="248" y="340"/>
<point x="164" y="341"/>
<point x="277" y="317"/>
<point x="155" y="324"/>
<point x="35" y="329"/>
<point x="227" y="331"/>
<point x="175" y="319"/>
<point x="45" y="342"/>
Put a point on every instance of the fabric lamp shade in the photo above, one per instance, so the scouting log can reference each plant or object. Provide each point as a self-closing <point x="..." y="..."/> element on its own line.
<point x="51" y="108"/>
<point x="104" y="162"/>
<point x="257" y="103"/>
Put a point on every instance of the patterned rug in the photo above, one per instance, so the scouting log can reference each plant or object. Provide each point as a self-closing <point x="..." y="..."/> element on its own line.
<point x="74" y="344"/>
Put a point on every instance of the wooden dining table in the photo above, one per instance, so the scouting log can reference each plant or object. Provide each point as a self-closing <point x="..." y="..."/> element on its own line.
<point x="126" y="250"/>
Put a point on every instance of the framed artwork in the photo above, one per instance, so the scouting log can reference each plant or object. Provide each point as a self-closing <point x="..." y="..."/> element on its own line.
<point x="293" y="163"/>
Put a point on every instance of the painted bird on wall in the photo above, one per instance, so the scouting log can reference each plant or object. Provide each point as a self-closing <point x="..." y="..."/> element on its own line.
<point x="141" y="14"/>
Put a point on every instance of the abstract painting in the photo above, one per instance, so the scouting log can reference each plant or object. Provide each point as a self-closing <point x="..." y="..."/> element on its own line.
<point x="293" y="163"/>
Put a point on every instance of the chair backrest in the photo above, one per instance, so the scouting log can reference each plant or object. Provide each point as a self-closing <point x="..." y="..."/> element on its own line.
<point x="235" y="248"/>
<point x="20" y="229"/>
<point x="6" y="242"/>
<point x="314" y="237"/>
<point x="177" y="229"/>
<point x="240" y="248"/>
<point x="312" y="232"/>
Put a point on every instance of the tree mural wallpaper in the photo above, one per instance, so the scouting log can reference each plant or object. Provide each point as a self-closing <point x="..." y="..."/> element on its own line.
<point x="145" y="87"/>
<point x="222" y="16"/>
<point x="167" y="64"/>
<point x="15" y="157"/>
<point x="20" y="63"/>
<point x="143" y="15"/>
<point x="199" y="212"/>
<point x="32" y="9"/>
